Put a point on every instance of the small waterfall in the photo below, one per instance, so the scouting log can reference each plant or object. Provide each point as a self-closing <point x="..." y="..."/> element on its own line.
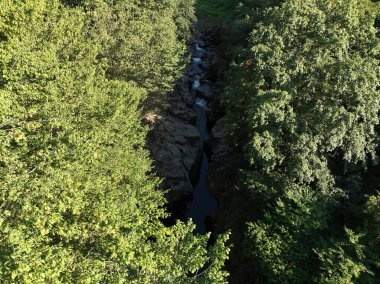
<point x="201" y="102"/>
<point x="197" y="48"/>
<point x="197" y="59"/>
<point x="196" y="84"/>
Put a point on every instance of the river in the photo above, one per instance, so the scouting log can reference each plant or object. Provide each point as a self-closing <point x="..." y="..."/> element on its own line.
<point x="202" y="204"/>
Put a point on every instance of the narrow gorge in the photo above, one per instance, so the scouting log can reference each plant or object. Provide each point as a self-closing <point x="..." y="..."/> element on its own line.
<point x="189" y="139"/>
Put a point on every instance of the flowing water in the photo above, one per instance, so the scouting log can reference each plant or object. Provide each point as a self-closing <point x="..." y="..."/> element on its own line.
<point x="203" y="204"/>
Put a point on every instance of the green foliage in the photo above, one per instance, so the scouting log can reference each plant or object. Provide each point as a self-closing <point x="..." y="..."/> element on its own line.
<point x="228" y="11"/>
<point x="184" y="17"/>
<point x="371" y="230"/>
<point x="373" y="212"/>
<point x="330" y="79"/>
<point x="303" y="100"/>
<point x="77" y="204"/>
<point x="342" y="261"/>
<point x="140" y="41"/>
<point x="306" y="89"/>
<point x="283" y="239"/>
<point x="223" y="10"/>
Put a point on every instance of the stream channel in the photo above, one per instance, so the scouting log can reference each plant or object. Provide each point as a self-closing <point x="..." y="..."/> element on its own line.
<point x="202" y="204"/>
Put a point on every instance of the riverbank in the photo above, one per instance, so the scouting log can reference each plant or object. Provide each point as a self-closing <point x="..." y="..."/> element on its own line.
<point x="182" y="137"/>
<point x="191" y="146"/>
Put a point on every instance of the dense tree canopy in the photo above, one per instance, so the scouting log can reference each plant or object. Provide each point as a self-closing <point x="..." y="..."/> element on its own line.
<point x="78" y="200"/>
<point x="303" y="101"/>
<point x="77" y="204"/>
<point x="142" y="40"/>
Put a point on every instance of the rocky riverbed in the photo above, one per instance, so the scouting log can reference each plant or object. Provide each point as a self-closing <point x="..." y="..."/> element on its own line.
<point x="189" y="142"/>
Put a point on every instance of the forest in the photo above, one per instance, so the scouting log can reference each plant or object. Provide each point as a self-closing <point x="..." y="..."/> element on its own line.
<point x="80" y="197"/>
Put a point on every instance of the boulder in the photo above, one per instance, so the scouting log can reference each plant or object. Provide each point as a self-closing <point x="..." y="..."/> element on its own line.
<point x="224" y="162"/>
<point x="205" y="92"/>
<point x="175" y="149"/>
<point x="187" y="115"/>
<point x="219" y="140"/>
<point x="182" y="91"/>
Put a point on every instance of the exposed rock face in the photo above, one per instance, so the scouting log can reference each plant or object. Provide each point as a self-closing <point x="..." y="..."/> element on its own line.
<point x="206" y="92"/>
<point x="219" y="140"/>
<point x="175" y="143"/>
<point x="224" y="160"/>
<point x="217" y="63"/>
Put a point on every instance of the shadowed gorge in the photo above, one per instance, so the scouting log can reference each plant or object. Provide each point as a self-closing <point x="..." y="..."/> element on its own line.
<point x="189" y="142"/>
